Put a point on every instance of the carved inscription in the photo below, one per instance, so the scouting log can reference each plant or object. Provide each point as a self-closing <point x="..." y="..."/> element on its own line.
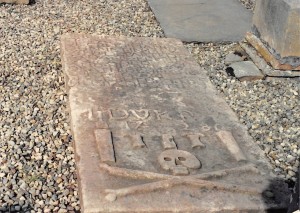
<point x="105" y="145"/>
<point x="118" y="114"/>
<point x="195" y="140"/>
<point x="135" y="114"/>
<point x="136" y="139"/>
<point x="231" y="144"/>
<point x="167" y="159"/>
<point x="168" y="142"/>
<point x="128" y="71"/>
<point x="137" y="118"/>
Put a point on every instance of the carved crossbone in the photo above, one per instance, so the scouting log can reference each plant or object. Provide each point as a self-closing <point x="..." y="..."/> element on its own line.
<point x="164" y="181"/>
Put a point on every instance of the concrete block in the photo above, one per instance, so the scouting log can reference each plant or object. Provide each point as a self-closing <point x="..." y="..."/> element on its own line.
<point x="277" y="24"/>
<point x="246" y="71"/>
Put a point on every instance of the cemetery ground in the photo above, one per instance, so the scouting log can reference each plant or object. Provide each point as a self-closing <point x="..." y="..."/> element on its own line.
<point x="37" y="166"/>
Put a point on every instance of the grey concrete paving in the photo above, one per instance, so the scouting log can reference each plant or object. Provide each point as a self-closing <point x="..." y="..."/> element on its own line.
<point x="202" y="20"/>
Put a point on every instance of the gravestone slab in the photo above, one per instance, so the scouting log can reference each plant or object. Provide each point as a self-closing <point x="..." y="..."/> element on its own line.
<point x="152" y="135"/>
<point x="15" y="1"/>
<point x="202" y="20"/>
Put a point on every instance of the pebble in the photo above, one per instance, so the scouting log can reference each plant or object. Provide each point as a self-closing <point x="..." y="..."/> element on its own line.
<point x="269" y="194"/>
<point x="17" y="208"/>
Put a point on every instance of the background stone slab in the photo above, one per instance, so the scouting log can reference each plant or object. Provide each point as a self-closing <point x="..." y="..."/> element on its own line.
<point x="246" y="71"/>
<point x="151" y="134"/>
<point x="277" y="23"/>
<point x="202" y="20"/>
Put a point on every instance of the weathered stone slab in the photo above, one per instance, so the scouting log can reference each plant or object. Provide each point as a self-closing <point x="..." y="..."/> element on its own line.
<point x="14" y="1"/>
<point x="277" y="23"/>
<point x="152" y="135"/>
<point x="202" y="20"/>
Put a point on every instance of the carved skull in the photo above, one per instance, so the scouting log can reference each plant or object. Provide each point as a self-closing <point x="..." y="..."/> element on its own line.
<point x="178" y="161"/>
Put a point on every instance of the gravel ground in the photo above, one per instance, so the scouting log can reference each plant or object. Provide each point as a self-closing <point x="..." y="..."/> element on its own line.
<point x="37" y="167"/>
<point x="249" y="4"/>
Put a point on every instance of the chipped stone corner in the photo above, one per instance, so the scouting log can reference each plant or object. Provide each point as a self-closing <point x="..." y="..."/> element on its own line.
<point x="265" y="68"/>
<point x="266" y="54"/>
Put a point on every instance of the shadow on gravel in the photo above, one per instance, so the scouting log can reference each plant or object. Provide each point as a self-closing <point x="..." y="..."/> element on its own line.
<point x="284" y="194"/>
<point x="277" y="195"/>
<point x="294" y="203"/>
<point x="230" y="71"/>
